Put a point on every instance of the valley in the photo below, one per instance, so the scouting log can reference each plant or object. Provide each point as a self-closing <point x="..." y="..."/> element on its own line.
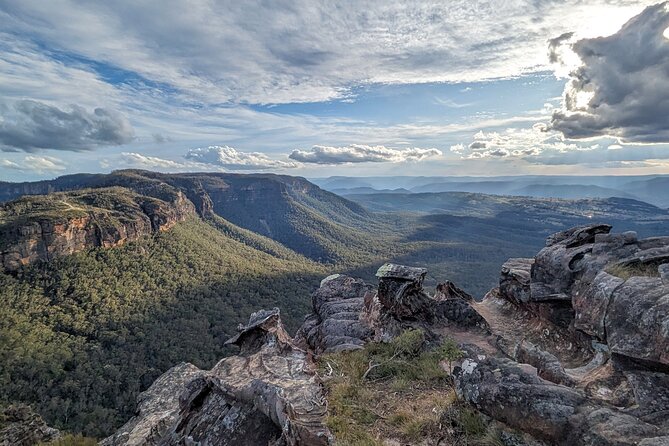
<point x="109" y="280"/>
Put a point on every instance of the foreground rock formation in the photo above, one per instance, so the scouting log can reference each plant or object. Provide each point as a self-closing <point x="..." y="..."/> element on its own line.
<point x="21" y="426"/>
<point x="571" y="348"/>
<point x="268" y="394"/>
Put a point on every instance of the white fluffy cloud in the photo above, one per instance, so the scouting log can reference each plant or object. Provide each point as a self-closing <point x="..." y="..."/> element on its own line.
<point x="514" y="142"/>
<point x="37" y="164"/>
<point x="232" y="159"/>
<point x="152" y="162"/>
<point x="621" y="88"/>
<point x="360" y="153"/>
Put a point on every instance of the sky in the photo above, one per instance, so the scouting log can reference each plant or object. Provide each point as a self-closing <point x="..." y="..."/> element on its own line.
<point x="320" y="88"/>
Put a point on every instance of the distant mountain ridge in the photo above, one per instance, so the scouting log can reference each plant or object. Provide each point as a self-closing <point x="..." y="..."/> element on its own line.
<point x="290" y="210"/>
<point x="645" y="188"/>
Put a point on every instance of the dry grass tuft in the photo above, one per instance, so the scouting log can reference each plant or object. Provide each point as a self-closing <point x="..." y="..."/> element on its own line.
<point x="398" y="391"/>
<point x="634" y="270"/>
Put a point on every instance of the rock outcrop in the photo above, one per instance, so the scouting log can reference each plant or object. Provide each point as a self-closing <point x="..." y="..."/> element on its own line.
<point x="47" y="227"/>
<point x="611" y="301"/>
<point x="571" y="349"/>
<point x="21" y="426"/>
<point x="267" y="394"/>
<point x="157" y="408"/>
<point x="336" y="323"/>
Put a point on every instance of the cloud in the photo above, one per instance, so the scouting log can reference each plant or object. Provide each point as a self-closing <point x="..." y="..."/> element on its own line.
<point x="159" y="138"/>
<point x="519" y="143"/>
<point x="31" y="125"/>
<point x="232" y="159"/>
<point x="555" y="45"/>
<point x="621" y="88"/>
<point x="138" y="159"/>
<point x="359" y="153"/>
<point x="302" y="51"/>
<point x="37" y="164"/>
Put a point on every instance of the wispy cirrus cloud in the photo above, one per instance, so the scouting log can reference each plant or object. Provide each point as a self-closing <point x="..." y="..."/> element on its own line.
<point x="360" y="153"/>
<point x="304" y="51"/>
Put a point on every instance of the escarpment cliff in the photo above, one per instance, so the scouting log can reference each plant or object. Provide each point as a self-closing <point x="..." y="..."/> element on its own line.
<point x="49" y="226"/>
<point x="570" y="349"/>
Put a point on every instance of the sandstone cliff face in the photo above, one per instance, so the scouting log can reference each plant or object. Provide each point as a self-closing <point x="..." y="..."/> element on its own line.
<point x="43" y="228"/>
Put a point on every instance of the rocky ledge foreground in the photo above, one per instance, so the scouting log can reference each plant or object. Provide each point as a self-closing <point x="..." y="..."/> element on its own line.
<point x="572" y="348"/>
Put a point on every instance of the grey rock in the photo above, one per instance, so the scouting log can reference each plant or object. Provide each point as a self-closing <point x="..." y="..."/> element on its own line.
<point x="601" y="426"/>
<point x="335" y="323"/>
<point x="507" y="392"/>
<point x="656" y="441"/>
<point x="157" y="409"/>
<point x="268" y="394"/>
<point x="637" y="324"/>
<point x="651" y="393"/>
<point x="591" y="305"/>
<point x="556" y="267"/>
<point x="577" y="236"/>
<point x="514" y="282"/>
<point x="24" y="427"/>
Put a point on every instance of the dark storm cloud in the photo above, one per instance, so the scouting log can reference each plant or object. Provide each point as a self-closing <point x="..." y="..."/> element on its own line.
<point x="622" y="87"/>
<point x="31" y="125"/>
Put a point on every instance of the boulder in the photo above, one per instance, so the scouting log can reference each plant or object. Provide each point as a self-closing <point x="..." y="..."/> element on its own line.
<point x="510" y="393"/>
<point x="513" y="394"/>
<point x="592" y="304"/>
<point x="157" y="409"/>
<point x="335" y="323"/>
<point x="514" y="282"/>
<point x="400" y="291"/>
<point x="556" y="266"/>
<point x="637" y="322"/>
<point x="267" y="394"/>
<point x="21" y="426"/>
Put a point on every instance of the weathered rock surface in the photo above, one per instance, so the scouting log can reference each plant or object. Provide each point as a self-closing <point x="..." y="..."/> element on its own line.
<point x="588" y="286"/>
<point x="592" y="305"/>
<point x="637" y="320"/>
<point x="335" y="323"/>
<point x="157" y="408"/>
<point x="604" y="284"/>
<point x="21" y="426"/>
<point x="268" y="394"/>
<point x="514" y="282"/>
<point x="401" y="303"/>
<point x="502" y="389"/>
<point x="509" y="392"/>
<point x="555" y="267"/>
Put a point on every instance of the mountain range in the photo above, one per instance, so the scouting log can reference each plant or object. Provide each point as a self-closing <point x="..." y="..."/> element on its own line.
<point x="645" y="188"/>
